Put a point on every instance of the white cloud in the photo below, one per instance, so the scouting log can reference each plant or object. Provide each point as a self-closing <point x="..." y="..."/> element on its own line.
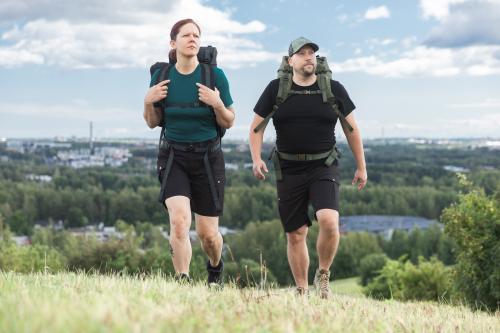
<point x="477" y="125"/>
<point x="489" y="123"/>
<point x="376" y="13"/>
<point x="438" y="9"/>
<point x="427" y="61"/>
<point x="466" y="41"/>
<point x="485" y="104"/>
<point x="408" y="41"/>
<point x="343" y="18"/>
<point x="92" y="35"/>
<point x="469" y="23"/>
<point x="71" y="118"/>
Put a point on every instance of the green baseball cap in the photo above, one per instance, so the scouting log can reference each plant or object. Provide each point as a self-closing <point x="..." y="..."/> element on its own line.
<point x="299" y="43"/>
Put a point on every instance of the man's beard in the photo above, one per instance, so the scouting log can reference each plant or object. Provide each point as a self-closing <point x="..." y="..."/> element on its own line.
<point x="307" y="71"/>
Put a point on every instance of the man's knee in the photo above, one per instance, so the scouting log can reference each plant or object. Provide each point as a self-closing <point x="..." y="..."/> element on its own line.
<point x="297" y="236"/>
<point x="329" y="222"/>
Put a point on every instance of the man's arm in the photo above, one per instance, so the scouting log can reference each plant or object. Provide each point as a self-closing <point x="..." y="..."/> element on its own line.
<point x="256" y="139"/>
<point x="356" y="144"/>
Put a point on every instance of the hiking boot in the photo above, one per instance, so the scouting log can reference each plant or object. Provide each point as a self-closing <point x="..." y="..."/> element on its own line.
<point x="183" y="278"/>
<point x="301" y="291"/>
<point x="322" y="283"/>
<point x="215" y="279"/>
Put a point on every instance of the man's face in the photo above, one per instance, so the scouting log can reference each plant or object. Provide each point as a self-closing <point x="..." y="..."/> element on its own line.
<point x="304" y="61"/>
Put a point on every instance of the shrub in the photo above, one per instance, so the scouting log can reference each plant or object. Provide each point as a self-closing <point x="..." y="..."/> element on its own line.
<point x="428" y="280"/>
<point x="474" y="224"/>
<point x="27" y="259"/>
<point x="370" y="266"/>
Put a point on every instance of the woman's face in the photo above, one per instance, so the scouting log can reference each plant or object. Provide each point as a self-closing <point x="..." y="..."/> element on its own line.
<point x="187" y="41"/>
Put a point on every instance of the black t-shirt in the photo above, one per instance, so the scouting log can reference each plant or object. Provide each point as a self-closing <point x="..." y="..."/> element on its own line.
<point x="303" y="123"/>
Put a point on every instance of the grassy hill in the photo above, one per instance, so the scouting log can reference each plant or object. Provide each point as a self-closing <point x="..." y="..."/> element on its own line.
<point x="71" y="302"/>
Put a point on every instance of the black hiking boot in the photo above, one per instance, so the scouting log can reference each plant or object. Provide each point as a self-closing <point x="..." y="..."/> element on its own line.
<point x="183" y="278"/>
<point x="215" y="279"/>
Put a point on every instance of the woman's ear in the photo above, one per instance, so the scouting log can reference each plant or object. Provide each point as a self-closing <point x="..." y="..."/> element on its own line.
<point x="172" y="44"/>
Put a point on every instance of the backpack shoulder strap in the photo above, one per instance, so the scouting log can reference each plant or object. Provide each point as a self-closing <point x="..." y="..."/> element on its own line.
<point x="163" y="69"/>
<point x="324" y="74"/>
<point x="285" y="73"/>
<point x="208" y="79"/>
<point x="207" y="75"/>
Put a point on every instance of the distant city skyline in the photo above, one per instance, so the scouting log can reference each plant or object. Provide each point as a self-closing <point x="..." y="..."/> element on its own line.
<point x="421" y="68"/>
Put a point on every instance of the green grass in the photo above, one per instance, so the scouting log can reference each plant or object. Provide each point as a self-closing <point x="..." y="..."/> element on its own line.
<point x="70" y="302"/>
<point x="348" y="286"/>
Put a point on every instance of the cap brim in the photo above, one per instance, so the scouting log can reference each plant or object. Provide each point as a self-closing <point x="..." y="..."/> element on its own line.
<point x="314" y="46"/>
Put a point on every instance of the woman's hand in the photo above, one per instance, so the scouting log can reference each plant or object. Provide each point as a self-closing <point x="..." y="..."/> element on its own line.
<point x="209" y="96"/>
<point x="157" y="92"/>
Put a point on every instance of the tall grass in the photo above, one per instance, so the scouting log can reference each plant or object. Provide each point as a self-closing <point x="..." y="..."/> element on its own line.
<point x="72" y="302"/>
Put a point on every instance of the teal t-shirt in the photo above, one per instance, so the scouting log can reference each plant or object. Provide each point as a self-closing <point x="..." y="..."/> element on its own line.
<point x="191" y="124"/>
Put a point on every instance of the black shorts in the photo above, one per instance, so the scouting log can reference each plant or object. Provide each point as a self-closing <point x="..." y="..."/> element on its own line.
<point x="188" y="177"/>
<point x="320" y="187"/>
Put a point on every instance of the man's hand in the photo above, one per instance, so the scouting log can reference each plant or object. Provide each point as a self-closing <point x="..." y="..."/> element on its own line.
<point x="209" y="96"/>
<point x="360" y="178"/>
<point x="259" y="168"/>
<point x="157" y="92"/>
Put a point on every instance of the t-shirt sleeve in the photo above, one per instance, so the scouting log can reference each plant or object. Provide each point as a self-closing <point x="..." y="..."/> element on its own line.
<point x="223" y="86"/>
<point x="154" y="77"/>
<point x="346" y="105"/>
<point x="267" y="100"/>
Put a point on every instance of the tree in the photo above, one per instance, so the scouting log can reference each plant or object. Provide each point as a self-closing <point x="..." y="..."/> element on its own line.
<point x="474" y="224"/>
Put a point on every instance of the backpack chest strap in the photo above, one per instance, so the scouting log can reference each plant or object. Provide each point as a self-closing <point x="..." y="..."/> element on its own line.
<point x="305" y="92"/>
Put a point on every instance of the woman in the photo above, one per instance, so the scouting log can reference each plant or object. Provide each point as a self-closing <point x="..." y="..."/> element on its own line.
<point x="190" y="161"/>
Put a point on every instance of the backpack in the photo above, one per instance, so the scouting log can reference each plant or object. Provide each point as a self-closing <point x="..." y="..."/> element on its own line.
<point x="207" y="57"/>
<point x="324" y="75"/>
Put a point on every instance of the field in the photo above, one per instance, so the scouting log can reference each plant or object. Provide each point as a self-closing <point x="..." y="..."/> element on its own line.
<point x="70" y="302"/>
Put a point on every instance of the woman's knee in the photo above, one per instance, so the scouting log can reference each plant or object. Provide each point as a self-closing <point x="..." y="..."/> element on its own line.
<point x="179" y="225"/>
<point x="209" y="238"/>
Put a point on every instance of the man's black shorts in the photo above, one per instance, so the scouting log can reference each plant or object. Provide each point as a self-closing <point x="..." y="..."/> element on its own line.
<point x="320" y="187"/>
<point x="188" y="177"/>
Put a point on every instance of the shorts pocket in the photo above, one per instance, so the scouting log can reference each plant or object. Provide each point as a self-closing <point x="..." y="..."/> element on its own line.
<point x="161" y="164"/>
<point x="331" y="179"/>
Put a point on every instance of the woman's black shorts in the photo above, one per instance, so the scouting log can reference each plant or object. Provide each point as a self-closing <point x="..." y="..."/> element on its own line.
<point x="188" y="177"/>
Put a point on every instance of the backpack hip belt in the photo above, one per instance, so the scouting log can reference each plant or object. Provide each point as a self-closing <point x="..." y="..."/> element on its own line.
<point x="330" y="155"/>
<point x="196" y="147"/>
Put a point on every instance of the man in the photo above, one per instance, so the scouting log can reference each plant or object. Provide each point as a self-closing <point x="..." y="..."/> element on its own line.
<point x="306" y="158"/>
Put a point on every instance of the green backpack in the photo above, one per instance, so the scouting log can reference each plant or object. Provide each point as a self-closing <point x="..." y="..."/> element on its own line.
<point x="324" y="75"/>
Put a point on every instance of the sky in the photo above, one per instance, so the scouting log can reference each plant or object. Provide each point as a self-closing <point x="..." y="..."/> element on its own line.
<point x="422" y="68"/>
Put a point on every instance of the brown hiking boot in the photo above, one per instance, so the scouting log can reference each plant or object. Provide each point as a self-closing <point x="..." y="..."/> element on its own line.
<point x="322" y="283"/>
<point x="301" y="291"/>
